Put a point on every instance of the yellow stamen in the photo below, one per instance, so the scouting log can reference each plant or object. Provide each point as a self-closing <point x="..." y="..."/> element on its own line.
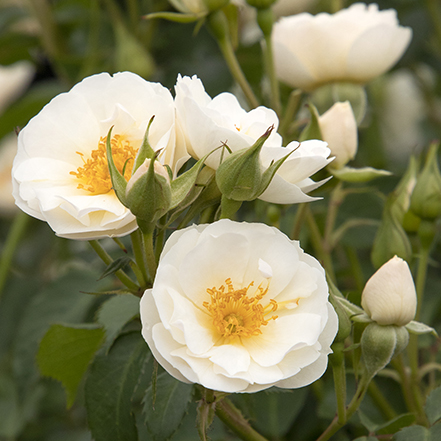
<point x="94" y="174"/>
<point x="235" y="314"/>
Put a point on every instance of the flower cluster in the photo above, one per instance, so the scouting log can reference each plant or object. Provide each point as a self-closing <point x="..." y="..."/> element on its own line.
<point x="61" y="175"/>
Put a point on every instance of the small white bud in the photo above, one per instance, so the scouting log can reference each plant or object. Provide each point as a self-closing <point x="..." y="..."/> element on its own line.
<point x="389" y="296"/>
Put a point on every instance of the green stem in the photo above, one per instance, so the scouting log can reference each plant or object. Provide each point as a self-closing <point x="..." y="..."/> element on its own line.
<point x="337" y="360"/>
<point x="298" y="221"/>
<point x="140" y="258"/>
<point x="317" y="242"/>
<point x="14" y="235"/>
<point x="435" y="15"/>
<point x="421" y="279"/>
<point x="381" y="401"/>
<point x="336" y="424"/>
<point x="265" y="19"/>
<point x="294" y="101"/>
<point x="335" y="201"/>
<point x="231" y="416"/>
<point x="105" y="257"/>
<point x="149" y="251"/>
<point x="218" y="25"/>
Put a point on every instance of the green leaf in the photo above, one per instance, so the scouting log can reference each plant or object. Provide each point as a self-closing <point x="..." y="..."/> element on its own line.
<point x="65" y="353"/>
<point x="115" y="313"/>
<point x="61" y="301"/>
<point x="172" y="400"/>
<point x="396" y="424"/>
<point x="419" y="328"/>
<point x="433" y="405"/>
<point x="110" y="384"/>
<point x="413" y="433"/>
<point x="116" y="265"/>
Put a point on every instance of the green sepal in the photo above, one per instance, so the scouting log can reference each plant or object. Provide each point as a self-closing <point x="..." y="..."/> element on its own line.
<point x="419" y="328"/>
<point x="229" y="207"/>
<point x="269" y="173"/>
<point x="360" y="175"/>
<point x="344" y="322"/>
<point x="176" y="17"/>
<point x="145" y="151"/>
<point x="312" y="130"/>
<point x="114" y="266"/>
<point x="182" y="185"/>
<point x="239" y="176"/>
<point x="119" y="184"/>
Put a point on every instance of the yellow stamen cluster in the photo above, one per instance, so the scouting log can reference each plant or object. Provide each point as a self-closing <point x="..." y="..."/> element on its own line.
<point x="237" y="315"/>
<point x="94" y="174"/>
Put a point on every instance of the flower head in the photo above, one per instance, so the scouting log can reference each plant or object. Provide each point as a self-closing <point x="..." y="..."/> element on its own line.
<point x="238" y="307"/>
<point x="356" y="44"/>
<point x="389" y="296"/>
<point x="210" y="123"/>
<point x="60" y="173"/>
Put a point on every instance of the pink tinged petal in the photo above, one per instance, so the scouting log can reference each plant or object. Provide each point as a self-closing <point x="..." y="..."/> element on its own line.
<point x="211" y="262"/>
<point x="281" y="336"/>
<point x="232" y="358"/>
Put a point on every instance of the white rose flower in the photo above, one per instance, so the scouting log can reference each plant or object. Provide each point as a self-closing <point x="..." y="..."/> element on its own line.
<point x="339" y="129"/>
<point x="208" y="123"/>
<point x="14" y="79"/>
<point x="239" y="307"/>
<point x="60" y="173"/>
<point x="389" y="296"/>
<point x="356" y="44"/>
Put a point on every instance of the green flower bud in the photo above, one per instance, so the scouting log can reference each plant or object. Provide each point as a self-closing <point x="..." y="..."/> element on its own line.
<point x="148" y="192"/>
<point x="380" y="343"/>
<point x="425" y="201"/>
<point x="265" y="19"/>
<point x="391" y="239"/>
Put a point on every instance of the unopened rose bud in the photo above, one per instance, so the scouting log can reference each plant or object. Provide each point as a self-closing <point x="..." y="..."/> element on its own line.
<point x="339" y="129"/>
<point x="148" y="192"/>
<point x="426" y="196"/>
<point x="389" y="296"/>
<point x="391" y="239"/>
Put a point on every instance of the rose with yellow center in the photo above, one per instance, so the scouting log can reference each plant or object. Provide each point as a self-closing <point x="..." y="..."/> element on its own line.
<point x="238" y="307"/>
<point x="60" y="173"/>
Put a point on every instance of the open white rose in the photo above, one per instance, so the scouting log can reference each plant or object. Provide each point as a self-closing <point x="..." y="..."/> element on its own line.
<point x="339" y="129"/>
<point x="209" y="123"/>
<point x="60" y="173"/>
<point x="356" y="44"/>
<point x="238" y="307"/>
<point x="389" y="296"/>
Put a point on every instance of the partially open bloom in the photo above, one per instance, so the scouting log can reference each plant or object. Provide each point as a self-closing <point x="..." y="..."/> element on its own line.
<point x="60" y="174"/>
<point x="238" y="307"/>
<point x="208" y="124"/>
<point x="339" y="130"/>
<point x="356" y="44"/>
<point x="389" y="296"/>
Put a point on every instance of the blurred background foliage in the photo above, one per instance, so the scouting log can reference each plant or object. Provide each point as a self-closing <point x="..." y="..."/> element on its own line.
<point x="67" y="40"/>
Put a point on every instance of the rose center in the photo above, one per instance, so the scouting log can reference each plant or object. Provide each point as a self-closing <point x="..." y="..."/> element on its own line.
<point x="94" y="175"/>
<point x="235" y="313"/>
